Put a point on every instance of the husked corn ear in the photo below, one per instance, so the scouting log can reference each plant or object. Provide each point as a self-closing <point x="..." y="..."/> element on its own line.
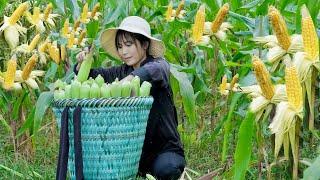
<point x="82" y="36"/>
<point x="169" y="11"/>
<point x="180" y="7"/>
<point x="36" y="14"/>
<point x="95" y="10"/>
<point x="223" y="85"/>
<point x="63" y="52"/>
<point x="221" y="15"/>
<point x="47" y="11"/>
<point x="198" y="26"/>
<point x="71" y="40"/>
<point x="293" y="87"/>
<point x="10" y="73"/>
<point x="65" y="29"/>
<point x="54" y="52"/>
<point x="18" y="13"/>
<point x="29" y="66"/>
<point x="84" y="14"/>
<point x="263" y="78"/>
<point x="76" y="25"/>
<point x="34" y="42"/>
<point x="309" y="35"/>
<point x="43" y="47"/>
<point x="279" y="27"/>
<point x="234" y="81"/>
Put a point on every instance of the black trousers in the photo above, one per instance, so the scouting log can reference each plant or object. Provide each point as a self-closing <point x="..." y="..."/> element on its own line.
<point x="167" y="165"/>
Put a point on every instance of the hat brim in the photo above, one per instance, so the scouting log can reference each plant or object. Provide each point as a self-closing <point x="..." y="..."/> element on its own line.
<point x="108" y="37"/>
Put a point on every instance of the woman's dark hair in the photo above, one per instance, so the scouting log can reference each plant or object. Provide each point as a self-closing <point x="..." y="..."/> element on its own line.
<point x="129" y="36"/>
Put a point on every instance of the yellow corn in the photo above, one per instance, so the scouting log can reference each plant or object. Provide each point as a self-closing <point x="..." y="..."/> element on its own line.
<point x="279" y="27"/>
<point x="95" y="10"/>
<point x="63" y="52"/>
<point x="263" y="78"/>
<point x="34" y="42"/>
<point x="218" y="20"/>
<point x="76" y="25"/>
<point x="234" y="81"/>
<point x="10" y="74"/>
<point x="43" y="47"/>
<point x="29" y="66"/>
<point x="65" y="29"/>
<point x="82" y="36"/>
<point x="71" y="40"/>
<point x="54" y="54"/>
<point x="47" y="11"/>
<point x="309" y="35"/>
<point x="18" y="13"/>
<point x="36" y="14"/>
<point x="293" y="88"/>
<point x="180" y="7"/>
<point x="84" y="14"/>
<point x="198" y="26"/>
<point x="223" y="85"/>
<point x="169" y="11"/>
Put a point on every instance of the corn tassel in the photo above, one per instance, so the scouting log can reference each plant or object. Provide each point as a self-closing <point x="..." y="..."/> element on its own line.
<point x="293" y="87"/>
<point x="95" y="10"/>
<point x="263" y="78"/>
<point x="198" y="27"/>
<point x="221" y="15"/>
<point x="82" y="36"/>
<point x="10" y="74"/>
<point x="34" y="42"/>
<point x="14" y="18"/>
<point x="47" y="11"/>
<point x="169" y="11"/>
<point x="280" y="28"/>
<point x="180" y="8"/>
<point x="309" y="35"/>
<point x="29" y="66"/>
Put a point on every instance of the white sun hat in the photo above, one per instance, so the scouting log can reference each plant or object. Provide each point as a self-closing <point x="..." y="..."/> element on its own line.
<point x="132" y="24"/>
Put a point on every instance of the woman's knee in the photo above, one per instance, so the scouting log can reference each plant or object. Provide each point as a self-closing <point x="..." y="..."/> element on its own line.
<point x="168" y="166"/>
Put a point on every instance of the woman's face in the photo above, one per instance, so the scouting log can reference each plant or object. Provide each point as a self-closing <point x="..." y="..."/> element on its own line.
<point x="131" y="51"/>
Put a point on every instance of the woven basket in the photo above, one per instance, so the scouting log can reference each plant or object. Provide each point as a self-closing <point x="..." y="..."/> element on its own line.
<point x="112" y="133"/>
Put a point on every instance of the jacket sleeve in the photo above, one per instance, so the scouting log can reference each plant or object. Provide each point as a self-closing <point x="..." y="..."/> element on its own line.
<point x="108" y="74"/>
<point x="156" y="72"/>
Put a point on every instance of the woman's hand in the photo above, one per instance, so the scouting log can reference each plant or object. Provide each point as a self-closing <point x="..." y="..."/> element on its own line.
<point x="80" y="57"/>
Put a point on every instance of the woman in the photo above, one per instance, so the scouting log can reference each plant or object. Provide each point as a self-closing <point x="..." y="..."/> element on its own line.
<point x="162" y="153"/>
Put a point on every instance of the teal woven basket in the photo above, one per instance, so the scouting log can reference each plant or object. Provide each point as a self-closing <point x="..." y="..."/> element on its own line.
<point x="112" y="135"/>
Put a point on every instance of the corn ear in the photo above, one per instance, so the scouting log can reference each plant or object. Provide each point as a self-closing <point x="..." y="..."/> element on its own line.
<point x="84" y="14"/>
<point x="169" y="11"/>
<point x="198" y="27"/>
<point x="293" y="87"/>
<point x="263" y="78"/>
<point x="279" y="27"/>
<point x="223" y="85"/>
<point x="71" y="40"/>
<point x="221" y="15"/>
<point x="76" y="25"/>
<point x="180" y="7"/>
<point x="63" y="52"/>
<point x="29" y="66"/>
<point x="234" y="81"/>
<point x="34" y="42"/>
<point x="309" y="35"/>
<point x="65" y="29"/>
<point x="14" y="18"/>
<point x="10" y="73"/>
<point x="82" y="36"/>
<point x="95" y="10"/>
<point x="11" y="35"/>
<point x="36" y="15"/>
<point x="47" y="11"/>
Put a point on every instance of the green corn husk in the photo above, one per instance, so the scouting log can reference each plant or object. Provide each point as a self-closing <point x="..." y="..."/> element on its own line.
<point x="145" y="88"/>
<point x="99" y="80"/>
<point x="135" y="86"/>
<point x="85" y="90"/>
<point x="126" y="89"/>
<point x="105" y="91"/>
<point x="75" y="89"/>
<point x="115" y="88"/>
<point x="59" y="94"/>
<point x="85" y="67"/>
<point x="94" y="91"/>
<point x="68" y="91"/>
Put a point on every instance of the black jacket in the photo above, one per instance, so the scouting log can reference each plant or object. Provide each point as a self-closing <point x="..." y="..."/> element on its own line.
<point x="161" y="133"/>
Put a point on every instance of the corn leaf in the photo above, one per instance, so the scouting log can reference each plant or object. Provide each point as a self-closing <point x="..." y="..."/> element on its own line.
<point x="244" y="146"/>
<point x="312" y="172"/>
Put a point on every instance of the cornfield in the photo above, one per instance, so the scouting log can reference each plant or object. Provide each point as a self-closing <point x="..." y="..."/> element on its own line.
<point x="245" y="78"/>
